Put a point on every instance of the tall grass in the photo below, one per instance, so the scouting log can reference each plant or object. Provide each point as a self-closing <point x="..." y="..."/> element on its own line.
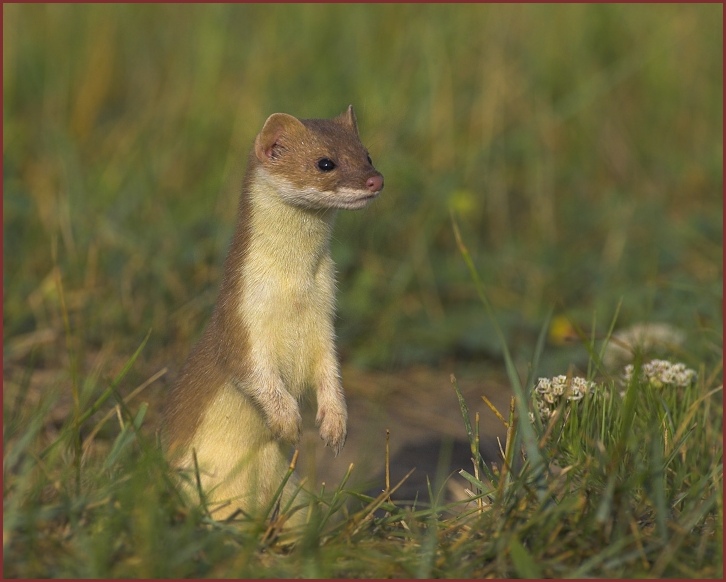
<point x="619" y="485"/>
<point x="580" y="149"/>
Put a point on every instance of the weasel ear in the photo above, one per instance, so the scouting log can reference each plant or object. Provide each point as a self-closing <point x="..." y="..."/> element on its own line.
<point x="274" y="134"/>
<point x="349" y="118"/>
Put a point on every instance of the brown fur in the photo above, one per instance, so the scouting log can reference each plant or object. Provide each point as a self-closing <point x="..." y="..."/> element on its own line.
<point x="221" y="351"/>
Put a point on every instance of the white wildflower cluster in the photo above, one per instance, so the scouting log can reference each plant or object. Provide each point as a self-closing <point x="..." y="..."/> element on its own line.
<point x="660" y="373"/>
<point x="549" y="392"/>
<point x="656" y="339"/>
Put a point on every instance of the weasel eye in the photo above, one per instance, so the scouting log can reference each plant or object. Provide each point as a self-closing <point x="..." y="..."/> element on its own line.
<point x="326" y="164"/>
<point x="370" y="161"/>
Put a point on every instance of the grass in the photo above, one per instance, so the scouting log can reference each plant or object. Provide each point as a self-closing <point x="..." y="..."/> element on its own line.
<point x="624" y="485"/>
<point x="579" y="149"/>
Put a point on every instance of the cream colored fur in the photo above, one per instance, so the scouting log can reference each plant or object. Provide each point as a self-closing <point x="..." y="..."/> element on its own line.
<point x="237" y="468"/>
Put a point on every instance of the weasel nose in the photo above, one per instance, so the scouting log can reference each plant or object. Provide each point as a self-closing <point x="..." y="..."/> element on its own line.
<point x="375" y="183"/>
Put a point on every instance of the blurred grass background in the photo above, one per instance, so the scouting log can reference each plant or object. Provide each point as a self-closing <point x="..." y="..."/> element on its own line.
<point x="579" y="146"/>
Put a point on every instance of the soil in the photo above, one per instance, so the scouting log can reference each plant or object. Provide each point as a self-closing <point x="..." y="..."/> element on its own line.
<point x="421" y="411"/>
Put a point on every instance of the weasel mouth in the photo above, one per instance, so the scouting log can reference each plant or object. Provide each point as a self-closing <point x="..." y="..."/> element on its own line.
<point x="358" y="201"/>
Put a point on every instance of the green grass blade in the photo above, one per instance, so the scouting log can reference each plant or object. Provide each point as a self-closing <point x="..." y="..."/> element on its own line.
<point x="524" y="564"/>
<point x="529" y="436"/>
<point x="101" y="400"/>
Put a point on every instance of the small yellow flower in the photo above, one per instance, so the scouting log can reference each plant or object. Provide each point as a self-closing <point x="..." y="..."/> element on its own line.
<point x="462" y="201"/>
<point x="561" y="330"/>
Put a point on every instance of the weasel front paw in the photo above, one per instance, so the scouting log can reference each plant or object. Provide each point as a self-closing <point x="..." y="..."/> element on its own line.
<point x="333" y="427"/>
<point x="285" y="422"/>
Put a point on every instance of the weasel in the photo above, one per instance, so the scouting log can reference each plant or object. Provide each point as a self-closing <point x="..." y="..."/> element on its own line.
<point x="270" y="339"/>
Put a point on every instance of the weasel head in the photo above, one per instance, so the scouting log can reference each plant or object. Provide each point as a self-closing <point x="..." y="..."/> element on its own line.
<point x="316" y="163"/>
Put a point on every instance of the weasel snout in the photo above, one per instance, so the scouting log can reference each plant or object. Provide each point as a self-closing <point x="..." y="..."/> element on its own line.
<point x="375" y="183"/>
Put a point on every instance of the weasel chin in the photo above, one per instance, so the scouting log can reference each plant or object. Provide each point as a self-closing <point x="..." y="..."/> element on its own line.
<point x="354" y="201"/>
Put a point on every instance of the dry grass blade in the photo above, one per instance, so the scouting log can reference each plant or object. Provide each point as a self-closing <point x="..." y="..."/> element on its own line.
<point x="359" y="519"/>
<point x="135" y="392"/>
<point x="494" y="410"/>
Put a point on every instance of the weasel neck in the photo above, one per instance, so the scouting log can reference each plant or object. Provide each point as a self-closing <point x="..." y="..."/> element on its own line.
<point x="277" y="247"/>
<point x="275" y="243"/>
<point x="294" y="238"/>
